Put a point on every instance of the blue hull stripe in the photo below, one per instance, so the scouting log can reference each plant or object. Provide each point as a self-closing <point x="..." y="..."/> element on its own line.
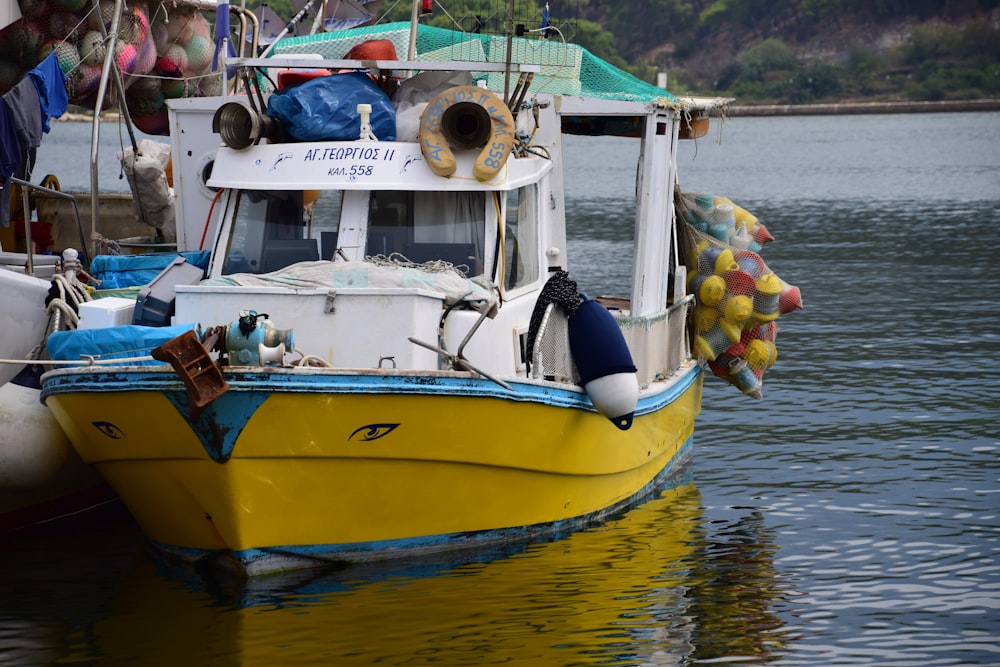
<point x="265" y="383"/>
<point x="220" y="424"/>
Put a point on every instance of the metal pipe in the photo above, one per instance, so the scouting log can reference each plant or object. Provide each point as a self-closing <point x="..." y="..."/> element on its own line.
<point x="57" y="193"/>
<point x="95" y="138"/>
<point x="246" y="18"/>
<point x="27" y="229"/>
<point x="120" y="89"/>
<point x="510" y="47"/>
<point x="527" y="78"/>
<point x="411" y="50"/>
<point x="255" y="31"/>
<point x="287" y="28"/>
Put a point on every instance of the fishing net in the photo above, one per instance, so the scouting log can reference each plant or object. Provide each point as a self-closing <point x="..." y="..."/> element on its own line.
<point x="452" y="284"/>
<point x="560" y="291"/>
<point x="564" y="68"/>
<point x="739" y="299"/>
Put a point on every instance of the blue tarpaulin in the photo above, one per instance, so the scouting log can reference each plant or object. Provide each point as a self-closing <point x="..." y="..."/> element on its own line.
<point x="123" y="342"/>
<point x="325" y="108"/>
<point x="118" y="271"/>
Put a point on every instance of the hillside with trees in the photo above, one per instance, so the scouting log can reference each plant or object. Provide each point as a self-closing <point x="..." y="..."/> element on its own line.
<point x="808" y="51"/>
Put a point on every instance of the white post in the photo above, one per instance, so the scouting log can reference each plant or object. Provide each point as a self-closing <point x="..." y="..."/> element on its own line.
<point x="411" y="51"/>
<point x="654" y="213"/>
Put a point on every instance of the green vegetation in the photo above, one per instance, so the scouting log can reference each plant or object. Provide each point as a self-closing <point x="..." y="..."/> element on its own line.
<point x="938" y="63"/>
<point x="763" y="50"/>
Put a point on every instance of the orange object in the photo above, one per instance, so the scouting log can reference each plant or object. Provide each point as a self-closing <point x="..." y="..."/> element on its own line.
<point x="373" y="49"/>
<point x="293" y="77"/>
<point x="693" y="128"/>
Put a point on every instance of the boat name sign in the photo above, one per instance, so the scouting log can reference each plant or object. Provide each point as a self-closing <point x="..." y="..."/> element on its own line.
<point x="347" y="165"/>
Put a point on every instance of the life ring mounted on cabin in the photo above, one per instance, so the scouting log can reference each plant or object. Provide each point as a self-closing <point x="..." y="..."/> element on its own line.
<point x="463" y="118"/>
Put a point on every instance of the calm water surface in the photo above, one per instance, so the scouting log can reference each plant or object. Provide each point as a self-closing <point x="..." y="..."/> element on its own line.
<point x="851" y="517"/>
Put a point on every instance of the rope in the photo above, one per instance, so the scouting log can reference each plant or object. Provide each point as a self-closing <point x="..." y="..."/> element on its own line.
<point x="85" y="360"/>
<point x="499" y="251"/>
<point x="58" y="307"/>
<point x="66" y="293"/>
<point x="62" y="306"/>
<point x="314" y="361"/>
<point x="106" y="246"/>
<point x="397" y="259"/>
<point x="208" y="218"/>
<point x="563" y="292"/>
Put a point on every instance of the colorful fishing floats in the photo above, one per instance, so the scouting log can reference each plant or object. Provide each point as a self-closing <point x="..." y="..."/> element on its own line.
<point x="163" y="51"/>
<point x="739" y="299"/>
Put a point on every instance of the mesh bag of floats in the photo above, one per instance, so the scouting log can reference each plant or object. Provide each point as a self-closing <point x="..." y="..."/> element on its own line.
<point x="163" y="51"/>
<point x="734" y="324"/>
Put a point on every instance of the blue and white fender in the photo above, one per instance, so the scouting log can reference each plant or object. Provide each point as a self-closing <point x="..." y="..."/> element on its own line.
<point x="604" y="362"/>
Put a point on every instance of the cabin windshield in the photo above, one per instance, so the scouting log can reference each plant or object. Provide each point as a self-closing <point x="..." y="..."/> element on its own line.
<point x="274" y="228"/>
<point x="427" y="226"/>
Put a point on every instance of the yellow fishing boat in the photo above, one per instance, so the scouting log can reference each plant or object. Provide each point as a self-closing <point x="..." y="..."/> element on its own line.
<point x="387" y="354"/>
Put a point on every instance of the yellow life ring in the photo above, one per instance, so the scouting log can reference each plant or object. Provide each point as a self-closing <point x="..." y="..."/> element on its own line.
<point x="466" y="117"/>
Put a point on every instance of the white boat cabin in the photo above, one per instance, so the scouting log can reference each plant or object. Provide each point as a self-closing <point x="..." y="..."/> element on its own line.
<point x="340" y="202"/>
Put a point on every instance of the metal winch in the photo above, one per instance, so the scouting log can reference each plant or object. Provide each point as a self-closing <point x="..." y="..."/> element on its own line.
<point x="253" y="340"/>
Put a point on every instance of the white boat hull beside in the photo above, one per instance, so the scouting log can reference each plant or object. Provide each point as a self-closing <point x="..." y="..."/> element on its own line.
<point x="22" y="319"/>
<point x="41" y="476"/>
<point x="33" y="447"/>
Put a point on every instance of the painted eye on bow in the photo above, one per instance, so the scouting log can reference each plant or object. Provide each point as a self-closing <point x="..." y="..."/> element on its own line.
<point x="371" y="432"/>
<point x="109" y="429"/>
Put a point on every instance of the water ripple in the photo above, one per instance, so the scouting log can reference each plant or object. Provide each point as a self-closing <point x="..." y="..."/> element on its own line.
<point x="850" y="517"/>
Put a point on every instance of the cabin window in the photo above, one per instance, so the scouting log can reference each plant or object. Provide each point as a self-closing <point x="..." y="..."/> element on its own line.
<point x="388" y="221"/>
<point x="427" y="226"/>
<point x="322" y="208"/>
<point x="521" y="264"/>
<point x="269" y="232"/>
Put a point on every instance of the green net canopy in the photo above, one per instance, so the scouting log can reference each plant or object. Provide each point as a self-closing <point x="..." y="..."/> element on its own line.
<point x="566" y="69"/>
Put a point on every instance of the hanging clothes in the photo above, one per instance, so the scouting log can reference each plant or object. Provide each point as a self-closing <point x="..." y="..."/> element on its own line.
<point x="26" y="112"/>
<point x="26" y="121"/>
<point x="51" y="84"/>
<point x="10" y="146"/>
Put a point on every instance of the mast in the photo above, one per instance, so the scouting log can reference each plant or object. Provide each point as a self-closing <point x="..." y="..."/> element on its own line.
<point x="510" y="47"/>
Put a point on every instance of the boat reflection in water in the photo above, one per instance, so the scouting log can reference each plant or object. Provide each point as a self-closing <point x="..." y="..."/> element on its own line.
<point x="655" y="586"/>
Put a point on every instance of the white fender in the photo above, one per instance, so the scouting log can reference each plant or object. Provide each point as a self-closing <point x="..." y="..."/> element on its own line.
<point x="33" y="447"/>
<point x="615" y="396"/>
<point x="436" y="141"/>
